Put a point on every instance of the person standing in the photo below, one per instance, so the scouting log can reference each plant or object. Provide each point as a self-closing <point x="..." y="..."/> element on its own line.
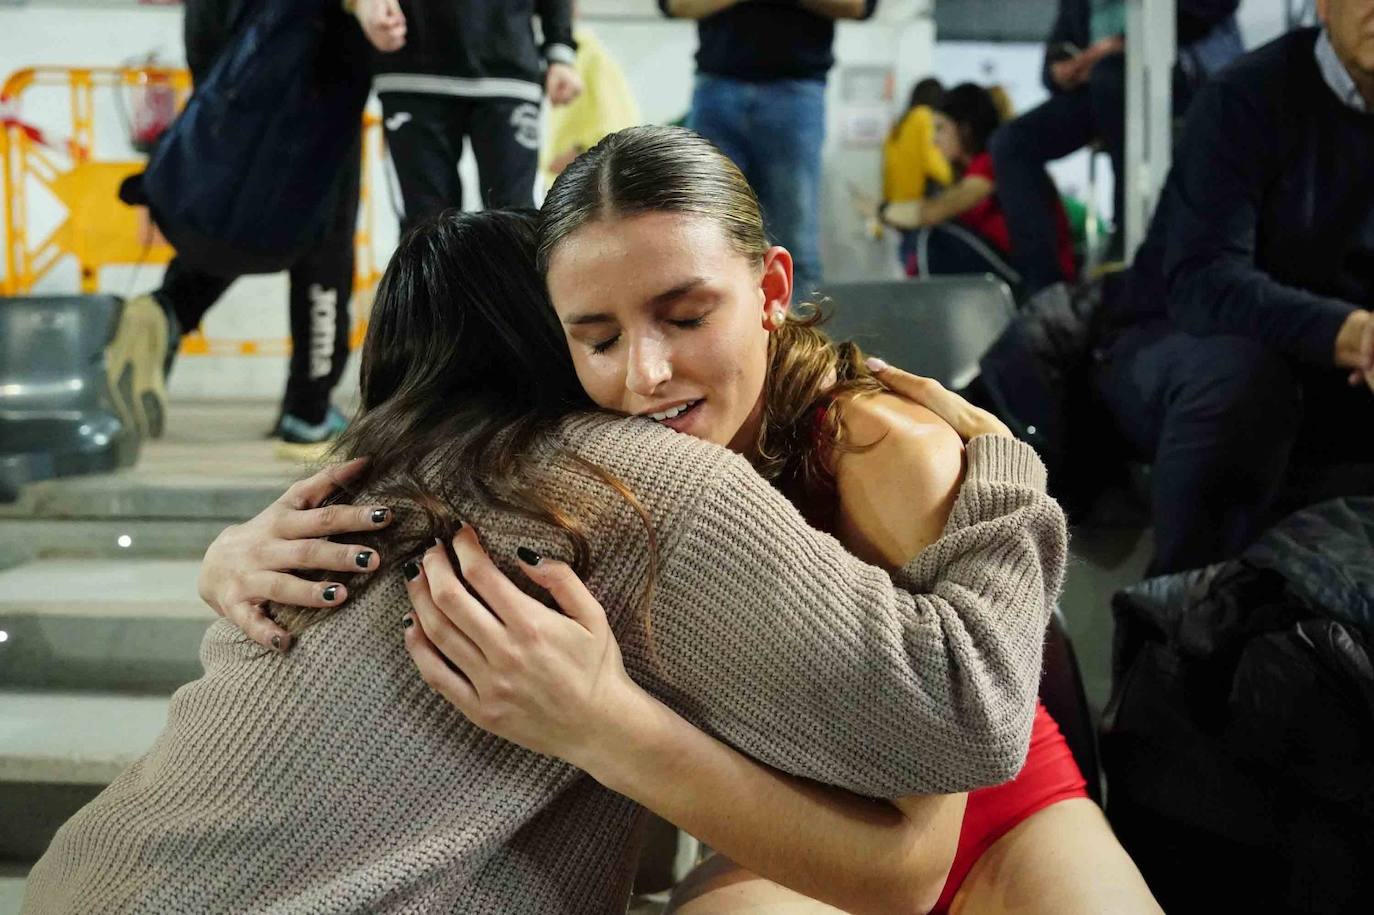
<point x="760" y="97"/>
<point x="321" y="279"/>
<point x="449" y="70"/>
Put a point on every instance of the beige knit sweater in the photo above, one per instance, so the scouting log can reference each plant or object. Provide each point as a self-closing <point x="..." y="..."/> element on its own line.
<point x="332" y="779"/>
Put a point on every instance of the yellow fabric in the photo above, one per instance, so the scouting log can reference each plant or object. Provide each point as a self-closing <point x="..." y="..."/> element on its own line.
<point x="911" y="159"/>
<point x="606" y="104"/>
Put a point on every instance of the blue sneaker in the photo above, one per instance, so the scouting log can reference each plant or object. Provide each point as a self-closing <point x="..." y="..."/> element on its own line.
<point x="295" y="431"/>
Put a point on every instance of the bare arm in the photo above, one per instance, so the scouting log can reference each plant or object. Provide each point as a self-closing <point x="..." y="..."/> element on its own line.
<point x="963" y="196"/>
<point x="695" y="9"/>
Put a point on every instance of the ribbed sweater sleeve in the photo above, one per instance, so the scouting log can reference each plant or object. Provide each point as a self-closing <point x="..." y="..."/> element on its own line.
<point x="770" y="635"/>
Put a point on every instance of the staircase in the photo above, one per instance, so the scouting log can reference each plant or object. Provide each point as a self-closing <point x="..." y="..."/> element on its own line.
<point x="99" y="614"/>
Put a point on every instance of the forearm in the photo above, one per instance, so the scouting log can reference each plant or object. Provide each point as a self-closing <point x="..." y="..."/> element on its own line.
<point x="695" y="9"/>
<point x="1223" y="297"/>
<point x="837" y="9"/>
<point x="855" y="853"/>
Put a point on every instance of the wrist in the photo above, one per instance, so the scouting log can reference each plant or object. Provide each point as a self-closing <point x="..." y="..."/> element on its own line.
<point x="1350" y="337"/>
<point x="619" y="753"/>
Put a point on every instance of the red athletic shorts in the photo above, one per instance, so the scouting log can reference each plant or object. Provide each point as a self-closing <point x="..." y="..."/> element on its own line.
<point x="1049" y="776"/>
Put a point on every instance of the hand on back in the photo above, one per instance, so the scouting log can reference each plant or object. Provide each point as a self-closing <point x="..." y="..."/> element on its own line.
<point x="252" y="563"/>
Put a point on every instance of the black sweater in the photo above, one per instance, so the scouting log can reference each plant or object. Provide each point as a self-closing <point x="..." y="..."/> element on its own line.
<point x="766" y="39"/>
<point x="476" y="47"/>
<point x="1265" y="227"/>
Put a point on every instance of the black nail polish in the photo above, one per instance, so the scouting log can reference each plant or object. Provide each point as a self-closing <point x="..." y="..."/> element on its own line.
<point x="457" y="525"/>
<point x="407" y="622"/>
<point x="363" y="558"/>
<point x="411" y="570"/>
<point x="276" y="642"/>
<point x="331" y="592"/>
<point x="528" y="556"/>
<point x="379" y="515"/>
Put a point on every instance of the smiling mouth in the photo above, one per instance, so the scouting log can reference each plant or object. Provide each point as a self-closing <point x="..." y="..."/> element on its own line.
<point x="675" y="412"/>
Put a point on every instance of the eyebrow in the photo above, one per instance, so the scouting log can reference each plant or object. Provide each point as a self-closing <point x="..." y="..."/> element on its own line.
<point x="663" y="298"/>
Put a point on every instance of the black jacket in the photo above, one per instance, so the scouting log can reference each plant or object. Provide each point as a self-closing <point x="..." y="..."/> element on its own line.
<point x="1073" y="24"/>
<point x="1265" y="225"/>
<point x="476" y="48"/>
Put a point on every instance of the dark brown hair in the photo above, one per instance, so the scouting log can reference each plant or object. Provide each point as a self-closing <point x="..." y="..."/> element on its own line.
<point x="465" y="372"/>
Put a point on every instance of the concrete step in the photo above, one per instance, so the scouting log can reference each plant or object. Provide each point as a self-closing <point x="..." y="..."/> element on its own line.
<point x="74" y="738"/>
<point x="134" y="494"/>
<point x="122" y="625"/>
<point x="58" y="750"/>
<point x="12" y="878"/>
<point x="27" y="539"/>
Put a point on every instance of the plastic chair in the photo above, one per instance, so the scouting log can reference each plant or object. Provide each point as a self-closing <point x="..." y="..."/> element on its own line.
<point x="56" y="414"/>
<point x="939" y="326"/>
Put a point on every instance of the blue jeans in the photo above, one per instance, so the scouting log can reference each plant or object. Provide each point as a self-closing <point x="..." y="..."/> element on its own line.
<point x="774" y="132"/>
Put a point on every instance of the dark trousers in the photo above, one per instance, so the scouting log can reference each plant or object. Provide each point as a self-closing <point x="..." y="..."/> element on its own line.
<point x="424" y="136"/>
<point x="952" y="248"/>
<point x="1068" y="121"/>
<point x="321" y="287"/>
<point x="1229" y="425"/>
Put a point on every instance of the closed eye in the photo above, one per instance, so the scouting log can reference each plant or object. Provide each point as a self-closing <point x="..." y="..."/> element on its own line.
<point x="604" y="345"/>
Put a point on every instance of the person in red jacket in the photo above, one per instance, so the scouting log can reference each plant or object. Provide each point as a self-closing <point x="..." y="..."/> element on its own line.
<point x="963" y="229"/>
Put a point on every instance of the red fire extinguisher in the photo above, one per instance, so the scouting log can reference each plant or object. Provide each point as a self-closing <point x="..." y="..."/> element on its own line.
<point x="153" y="106"/>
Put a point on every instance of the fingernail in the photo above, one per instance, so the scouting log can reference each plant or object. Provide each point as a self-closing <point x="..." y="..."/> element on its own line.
<point x="407" y="622"/>
<point x="528" y="556"/>
<point x="363" y="558"/>
<point x="875" y="364"/>
<point x="276" y="642"/>
<point x="457" y="525"/>
<point x="379" y="515"/>
<point x="411" y="570"/>
<point x="331" y="592"/>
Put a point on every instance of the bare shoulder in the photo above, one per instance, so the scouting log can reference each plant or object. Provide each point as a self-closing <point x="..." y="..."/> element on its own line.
<point x="896" y="495"/>
<point x="901" y="428"/>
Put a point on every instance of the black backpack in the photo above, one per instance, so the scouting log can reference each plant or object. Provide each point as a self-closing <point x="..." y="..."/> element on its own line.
<point x="246" y="179"/>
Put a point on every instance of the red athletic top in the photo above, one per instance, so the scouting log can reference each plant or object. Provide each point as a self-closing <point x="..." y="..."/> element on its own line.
<point x="988" y="220"/>
<point x="1049" y="776"/>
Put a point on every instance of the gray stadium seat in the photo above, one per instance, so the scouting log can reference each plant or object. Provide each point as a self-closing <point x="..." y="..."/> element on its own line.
<point x="938" y="327"/>
<point x="56" y="414"/>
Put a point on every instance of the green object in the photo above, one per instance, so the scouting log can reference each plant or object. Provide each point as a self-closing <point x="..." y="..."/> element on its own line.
<point x="1108" y="19"/>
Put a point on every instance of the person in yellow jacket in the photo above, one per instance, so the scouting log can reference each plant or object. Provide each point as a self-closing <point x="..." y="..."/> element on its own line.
<point x="606" y="105"/>
<point x="911" y="160"/>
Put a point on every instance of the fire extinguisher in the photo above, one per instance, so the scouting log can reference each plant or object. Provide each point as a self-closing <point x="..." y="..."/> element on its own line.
<point x="153" y="106"/>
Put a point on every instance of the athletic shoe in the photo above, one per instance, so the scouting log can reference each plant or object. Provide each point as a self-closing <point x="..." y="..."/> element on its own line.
<point x="307" y="444"/>
<point x="296" y="431"/>
<point x="135" y="365"/>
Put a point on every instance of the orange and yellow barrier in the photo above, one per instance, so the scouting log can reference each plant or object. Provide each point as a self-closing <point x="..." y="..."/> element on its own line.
<point x="98" y="230"/>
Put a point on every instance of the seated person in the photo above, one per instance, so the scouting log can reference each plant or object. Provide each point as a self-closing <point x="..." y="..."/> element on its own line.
<point x="913" y="166"/>
<point x="1085" y="72"/>
<point x="963" y="229"/>
<point x="1244" y="345"/>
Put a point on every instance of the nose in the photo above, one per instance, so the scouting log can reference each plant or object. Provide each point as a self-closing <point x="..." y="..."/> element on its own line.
<point x="649" y="366"/>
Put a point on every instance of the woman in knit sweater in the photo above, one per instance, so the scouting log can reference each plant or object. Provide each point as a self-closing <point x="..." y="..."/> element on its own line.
<point x="333" y="779"/>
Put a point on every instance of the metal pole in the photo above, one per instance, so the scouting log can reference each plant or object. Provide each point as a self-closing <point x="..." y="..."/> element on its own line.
<point x="1150" y="53"/>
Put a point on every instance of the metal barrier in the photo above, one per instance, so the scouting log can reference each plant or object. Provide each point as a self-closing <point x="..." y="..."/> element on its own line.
<point x="98" y="229"/>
